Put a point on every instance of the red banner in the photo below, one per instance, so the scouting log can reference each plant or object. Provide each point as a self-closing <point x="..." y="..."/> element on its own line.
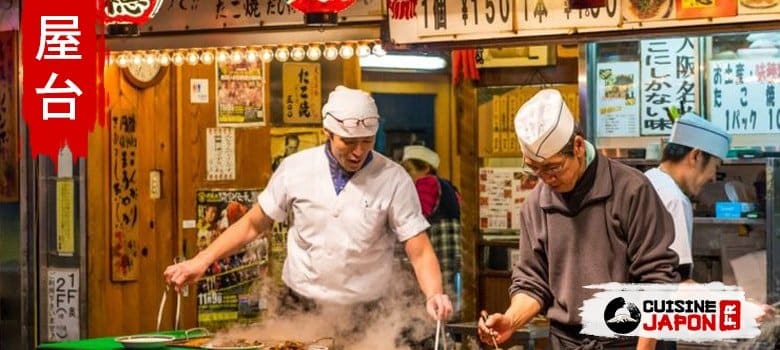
<point x="61" y="54"/>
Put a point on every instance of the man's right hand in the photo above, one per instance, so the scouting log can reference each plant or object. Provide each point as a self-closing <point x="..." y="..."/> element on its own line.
<point x="185" y="272"/>
<point x="498" y="326"/>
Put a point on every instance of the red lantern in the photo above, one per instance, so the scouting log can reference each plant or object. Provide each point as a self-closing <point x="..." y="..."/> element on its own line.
<point x="321" y="12"/>
<point x="123" y="17"/>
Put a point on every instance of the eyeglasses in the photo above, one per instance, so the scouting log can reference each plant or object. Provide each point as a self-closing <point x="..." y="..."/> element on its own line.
<point x="355" y="122"/>
<point x="549" y="170"/>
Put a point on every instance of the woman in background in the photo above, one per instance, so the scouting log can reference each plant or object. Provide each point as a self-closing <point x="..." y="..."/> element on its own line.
<point x="440" y="203"/>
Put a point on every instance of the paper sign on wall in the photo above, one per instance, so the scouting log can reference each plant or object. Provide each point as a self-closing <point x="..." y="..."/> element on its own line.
<point x="65" y="227"/>
<point x="220" y="154"/>
<point x="63" y="290"/>
<point x="743" y="95"/>
<point x="617" y="104"/>
<point x="199" y="91"/>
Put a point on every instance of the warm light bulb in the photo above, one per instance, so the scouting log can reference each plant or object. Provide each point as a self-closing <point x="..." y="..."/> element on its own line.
<point x="251" y="56"/>
<point x="378" y="50"/>
<point x="346" y="51"/>
<point x="298" y="54"/>
<point x="163" y="59"/>
<point x="314" y="52"/>
<point x="363" y="50"/>
<point x="282" y="54"/>
<point x="331" y="53"/>
<point x="222" y="56"/>
<point x="207" y="57"/>
<point x="122" y="61"/>
<point x="236" y="57"/>
<point x="178" y="59"/>
<point x="137" y="60"/>
<point x="266" y="55"/>
<point x="149" y="59"/>
<point x="110" y="60"/>
<point x="193" y="58"/>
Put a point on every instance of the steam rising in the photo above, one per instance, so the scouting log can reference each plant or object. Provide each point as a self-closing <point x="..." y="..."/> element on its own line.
<point x="400" y="312"/>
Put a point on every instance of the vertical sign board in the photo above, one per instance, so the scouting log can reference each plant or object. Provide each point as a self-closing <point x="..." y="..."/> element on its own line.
<point x="617" y="104"/>
<point x="448" y="17"/>
<point x="62" y="287"/>
<point x="302" y="91"/>
<point x="669" y="77"/>
<point x="124" y="197"/>
<point x="743" y="96"/>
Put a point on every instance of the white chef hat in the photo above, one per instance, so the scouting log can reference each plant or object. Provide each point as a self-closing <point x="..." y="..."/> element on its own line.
<point x="544" y="125"/>
<point x="696" y="132"/>
<point x="345" y="103"/>
<point x="422" y="153"/>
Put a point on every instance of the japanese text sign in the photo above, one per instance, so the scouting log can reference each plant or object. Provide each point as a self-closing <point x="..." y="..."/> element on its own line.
<point x="743" y="99"/>
<point x="436" y="17"/>
<point x="302" y="93"/>
<point x="668" y="83"/>
<point x="60" y="53"/>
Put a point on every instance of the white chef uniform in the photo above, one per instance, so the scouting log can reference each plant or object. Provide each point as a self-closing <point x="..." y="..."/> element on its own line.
<point x="340" y="246"/>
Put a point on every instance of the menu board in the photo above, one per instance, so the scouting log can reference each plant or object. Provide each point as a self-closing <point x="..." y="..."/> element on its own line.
<point x="501" y="193"/>
<point x="743" y="95"/>
<point x="617" y="107"/>
<point x="546" y="14"/>
<point x="669" y="82"/>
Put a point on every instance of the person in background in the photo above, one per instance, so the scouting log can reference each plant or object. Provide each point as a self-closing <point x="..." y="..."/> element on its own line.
<point x="349" y="205"/>
<point x="591" y="220"/>
<point x="440" y="203"/>
<point x="690" y="160"/>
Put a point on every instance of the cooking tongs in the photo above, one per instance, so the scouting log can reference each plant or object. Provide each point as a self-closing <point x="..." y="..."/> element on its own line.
<point x="162" y="303"/>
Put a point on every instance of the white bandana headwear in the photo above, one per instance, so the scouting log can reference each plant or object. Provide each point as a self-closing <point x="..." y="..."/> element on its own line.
<point x="345" y="103"/>
<point x="544" y="125"/>
<point x="422" y="153"/>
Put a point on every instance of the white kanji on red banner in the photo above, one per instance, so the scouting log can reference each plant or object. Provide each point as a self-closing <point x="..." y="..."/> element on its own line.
<point x="71" y="88"/>
<point x="58" y="38"/>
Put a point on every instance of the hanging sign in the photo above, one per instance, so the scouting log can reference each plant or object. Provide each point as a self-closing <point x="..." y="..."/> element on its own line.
<point x="550" y="14"/>
<point x="438" y="17"/>
<point x="302" y="91"/>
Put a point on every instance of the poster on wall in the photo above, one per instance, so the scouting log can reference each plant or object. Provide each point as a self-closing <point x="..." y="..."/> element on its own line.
<point x="220" y="154"/>
<point x="124" y="196"/>
<point x="9" y="133"/>
<point x="749" y="7"/>
<point x="648" y="10"/>
<point x="225" y="293"/>
<point x="62" y="288"/>
<point x="669" y="83"/>
<point x="705" y="9"/>
<point x="286" y="141"/>
<point x="501" y="193"/>
<point x="241" y="94"/>
<point x="743" y="95"/>
<point x="302" y="91"/>
<point x="617" y="106"/>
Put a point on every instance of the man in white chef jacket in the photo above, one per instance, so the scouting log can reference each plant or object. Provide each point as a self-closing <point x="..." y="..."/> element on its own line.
<point x="689" y="161"/>
<point x="349" y="206"/>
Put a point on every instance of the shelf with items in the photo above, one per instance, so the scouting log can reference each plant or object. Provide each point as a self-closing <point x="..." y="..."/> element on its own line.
<point x="722" y="221"/>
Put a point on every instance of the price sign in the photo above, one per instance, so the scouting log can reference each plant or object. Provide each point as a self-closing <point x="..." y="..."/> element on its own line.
<point x="448" y="17"/>
<point x="552" y="14"/>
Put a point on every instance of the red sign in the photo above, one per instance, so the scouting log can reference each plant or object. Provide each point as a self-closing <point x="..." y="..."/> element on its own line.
<point x="61" y="54"/>
<point x="131" y="11"/>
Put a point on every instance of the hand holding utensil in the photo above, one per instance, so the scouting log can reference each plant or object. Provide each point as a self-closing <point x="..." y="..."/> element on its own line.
<point x="484" y="315"/>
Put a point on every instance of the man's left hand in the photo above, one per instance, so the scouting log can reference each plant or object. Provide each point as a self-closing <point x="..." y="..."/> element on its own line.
<point x="439" y="307"/>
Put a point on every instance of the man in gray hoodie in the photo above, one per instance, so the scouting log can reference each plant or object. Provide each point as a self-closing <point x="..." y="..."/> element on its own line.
<point x="591" y="220"/>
